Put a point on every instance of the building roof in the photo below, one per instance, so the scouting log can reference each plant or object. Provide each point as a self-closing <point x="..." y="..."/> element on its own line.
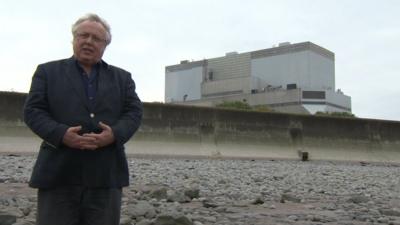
<point x="290" y="48"/>
<point x="284" y="48"/>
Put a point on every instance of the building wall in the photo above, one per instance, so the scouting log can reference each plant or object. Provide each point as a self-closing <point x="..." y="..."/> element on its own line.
<point x="312" y="108"/>
<point x="322" y="72"/>
<point x="339" y="99"/>
<point x="230" y="66"/>
<point x="258" y="84"/>
<point x="305" y="68"/>
<point x="282" y="100"/>
<point x="326" y="101"/>
<point x="238" y="85"/>
<point x="275" y="97"/>
<point x="183" y="82"/>
<point x="224" y="87"/>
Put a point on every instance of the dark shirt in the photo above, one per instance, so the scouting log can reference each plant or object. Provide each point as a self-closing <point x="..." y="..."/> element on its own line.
<point x="89" y="81"/>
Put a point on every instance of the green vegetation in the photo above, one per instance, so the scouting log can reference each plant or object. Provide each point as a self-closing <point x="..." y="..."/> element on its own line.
<point x="262" y="108"/>
<point x="243" y="106"/>
<point x="336" y="114"/>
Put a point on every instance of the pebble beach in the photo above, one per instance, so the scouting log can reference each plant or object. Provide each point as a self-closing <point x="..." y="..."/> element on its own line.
<point x="231" y="192"/>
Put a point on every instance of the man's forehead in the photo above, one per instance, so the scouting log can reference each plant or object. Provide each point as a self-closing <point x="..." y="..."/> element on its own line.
<point x="91" y="25"/>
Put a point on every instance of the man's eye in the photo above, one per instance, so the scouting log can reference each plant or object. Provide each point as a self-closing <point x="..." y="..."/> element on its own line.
<point x="84" y="35"/>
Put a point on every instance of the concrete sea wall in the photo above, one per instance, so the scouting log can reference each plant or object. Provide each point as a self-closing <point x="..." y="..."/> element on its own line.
<point x="172" y="130"/>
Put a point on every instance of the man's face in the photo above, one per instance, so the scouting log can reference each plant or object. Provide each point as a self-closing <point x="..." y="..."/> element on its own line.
<point x="89" y="42"/>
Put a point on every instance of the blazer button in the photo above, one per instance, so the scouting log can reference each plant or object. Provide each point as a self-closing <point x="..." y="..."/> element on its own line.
<point x="91" y="115"/>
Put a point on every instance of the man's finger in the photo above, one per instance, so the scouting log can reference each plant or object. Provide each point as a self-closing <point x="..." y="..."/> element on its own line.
<point x="87" y="139"/>
<point x="91" y="136"/>
<point x="75" y="129"/>
<point x="89" y="147"/>
<point x="104" y="126"/>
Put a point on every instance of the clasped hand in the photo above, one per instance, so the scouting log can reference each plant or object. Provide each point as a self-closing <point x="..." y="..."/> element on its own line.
<point x="88" y="141"/>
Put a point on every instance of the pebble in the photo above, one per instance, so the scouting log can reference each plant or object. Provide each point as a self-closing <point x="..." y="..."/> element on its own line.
<point x="227" y="191"/>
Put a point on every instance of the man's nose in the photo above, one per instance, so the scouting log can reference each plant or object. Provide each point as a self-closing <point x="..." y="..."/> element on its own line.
<point x="89" y="39"/>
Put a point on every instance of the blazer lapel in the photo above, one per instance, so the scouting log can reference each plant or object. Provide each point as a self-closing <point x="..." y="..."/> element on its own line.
<point x="75" y="80"/>
<point x="104" y="81"/>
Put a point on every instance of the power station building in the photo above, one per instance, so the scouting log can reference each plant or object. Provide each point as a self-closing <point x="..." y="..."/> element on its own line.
<point x="296" y="78"/>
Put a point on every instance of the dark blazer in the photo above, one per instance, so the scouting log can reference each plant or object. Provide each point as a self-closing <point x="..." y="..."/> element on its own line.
<point x="57" y="101"/>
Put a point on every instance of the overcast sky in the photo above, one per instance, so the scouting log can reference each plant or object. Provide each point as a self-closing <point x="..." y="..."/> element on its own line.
<point x="149" y="35"/>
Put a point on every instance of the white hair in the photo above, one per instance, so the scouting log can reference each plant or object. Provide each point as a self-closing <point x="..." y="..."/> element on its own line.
<point x="95" y="18"/>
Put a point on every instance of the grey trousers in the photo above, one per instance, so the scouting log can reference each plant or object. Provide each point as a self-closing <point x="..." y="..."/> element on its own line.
<point x="77" y="205"/>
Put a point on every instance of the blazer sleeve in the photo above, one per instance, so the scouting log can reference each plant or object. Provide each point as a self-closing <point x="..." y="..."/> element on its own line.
<point x="131" y="116"/>
<point x="37" y="114"/>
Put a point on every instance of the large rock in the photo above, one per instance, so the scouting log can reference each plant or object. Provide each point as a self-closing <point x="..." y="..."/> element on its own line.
<point x="7" y="218"/>
<point x="177" y="196"/>
<point x="289" y="197"/>
<point x="141" y="209"/>
<point x="390" y="212"/>
<point x="208" y="203"/>
<point x="192" y="193"/>
<point x="144" y="222"/>
<point x="23" y="223"/>
<point x="172" y="220"/>
<point x="125" y="221"/>
<point x="160" y="193"/>
<point x="358" y="198"/>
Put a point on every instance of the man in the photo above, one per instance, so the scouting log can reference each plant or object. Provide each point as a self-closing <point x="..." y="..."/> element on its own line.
<point x="84" y="110"/>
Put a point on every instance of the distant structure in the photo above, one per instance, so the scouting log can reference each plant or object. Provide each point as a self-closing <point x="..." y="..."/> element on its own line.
<point x="296" y="78"/>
